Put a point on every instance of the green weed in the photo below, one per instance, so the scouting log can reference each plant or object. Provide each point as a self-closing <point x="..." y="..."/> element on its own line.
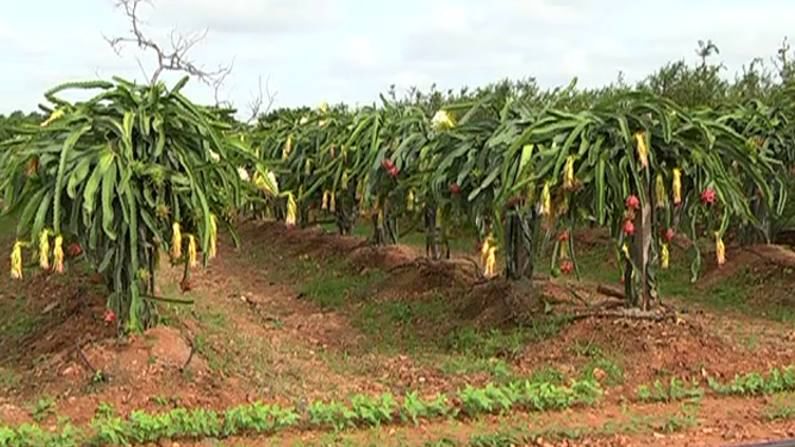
<point x="781" y="408"/>
<point x="8" y="379"/>
<point x="498" y="369"/>
<point x="105" y="410"/>
<point x="587" y="349"/>
<point x="29" y="435"/>
<point x="42" y="409"/>
<point x="532" y="396"/>
<point x="613" y="372"/>
<point x="547" y="374"/>
<point x="396" y="324"/>
<point x="361" y="411"/>
<point x="334" y="286"/>
<point x="415" y="407"/>
<point x="258" y="418"/>
<point x="675" y="390"/>
<point x="756" y="384"/>
<point x="488" y="344"/>
<point x="16" y="322"/>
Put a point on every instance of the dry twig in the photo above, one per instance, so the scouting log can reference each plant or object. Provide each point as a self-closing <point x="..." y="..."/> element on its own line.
<point x="171" y="57"/>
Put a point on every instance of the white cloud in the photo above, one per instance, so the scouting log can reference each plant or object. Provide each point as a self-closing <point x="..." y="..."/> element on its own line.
<point x="359" y="52"/>
<point x="351" y="50"/>
<point x="249" y="16"/>
<point x="548" y="11"/>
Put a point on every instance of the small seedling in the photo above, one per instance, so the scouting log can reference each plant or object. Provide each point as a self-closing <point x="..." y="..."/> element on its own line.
<point x="42" y="409"/>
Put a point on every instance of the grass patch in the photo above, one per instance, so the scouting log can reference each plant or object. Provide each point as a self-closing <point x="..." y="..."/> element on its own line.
<point x="498" y="369"/>
<point x="42" y="409"/>
<point x="600" y="366"/>
<point x="216" y="320"/>
<point x="335" y="285"/>
<point x="397" y="325"/>
<point x="16" y="324"/>
<point x="731" y="294"/>
<point x="591" y="263"/>
<point x="734" y="294"/>
<point x="502" y="343"/>
<point x="215" y="360"/>
<point x="674" y="390"/>
<point x="548" y="374"/>
<point x="490" y="343"/>
<point x="8" y="379"/>
<point x="587" y="349"/>
<point x="613" y="372"/>
<point x="673" y="423"/>
<point x="782" y="408"/>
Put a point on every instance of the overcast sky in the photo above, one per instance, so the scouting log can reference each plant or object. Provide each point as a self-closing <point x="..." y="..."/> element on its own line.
<point x="350" y="50"/>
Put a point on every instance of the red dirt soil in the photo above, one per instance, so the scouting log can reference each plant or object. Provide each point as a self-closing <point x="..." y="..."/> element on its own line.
<point x="244" y="291"/>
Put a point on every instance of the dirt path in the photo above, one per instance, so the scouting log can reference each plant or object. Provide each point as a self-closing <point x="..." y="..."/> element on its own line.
<point x="259" y="331"/>
<point x="283" y="337"/>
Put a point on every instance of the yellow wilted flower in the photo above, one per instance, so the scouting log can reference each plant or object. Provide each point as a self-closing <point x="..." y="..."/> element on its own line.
<point x="332" y="202"/>
<point x="44" y="250"/>
<point x="677" y="186"/>
<point x="562" y="207"/>
<point x="442" y="121"/>
<point x="267" y="183"/>
<point x="643" y="149"/>
<point x="307" y="167"/>
<point x="274" y="182"/>
<point x="292" y="211"/>
<point x="410" y="201"/>
<point x="288" y="147"/>
<point x="484" y="249"/>
<point x="324" y="205"/>
<point x="176" y="241"/>
<point x="344" y="181"/>
<point x="57" y="114"/>
<point x="568" y="173"/>
<point x="665" y="256"/>
<point x="491" y="263"/>
<point x="720" y="249"/>
<point x="16" y="261"/>
<point x="192" y="256"/>
<point x="57" y="255"/>
<point x="546" y="200"/>
<point x="213" y="248"/>
<point x="564" y="250"/>
<point x="32" y="167"/>
<point x="625" y="250"/>
<point x="662" y="197"/>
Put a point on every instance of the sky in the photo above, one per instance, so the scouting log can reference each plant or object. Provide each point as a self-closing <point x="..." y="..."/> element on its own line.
<point x="311" y="51"/>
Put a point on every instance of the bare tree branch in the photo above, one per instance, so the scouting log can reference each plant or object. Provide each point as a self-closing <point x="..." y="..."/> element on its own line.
<point x="267" y="98"/>
<point x="174" y="58"/>
<point x="218" y="82"/>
